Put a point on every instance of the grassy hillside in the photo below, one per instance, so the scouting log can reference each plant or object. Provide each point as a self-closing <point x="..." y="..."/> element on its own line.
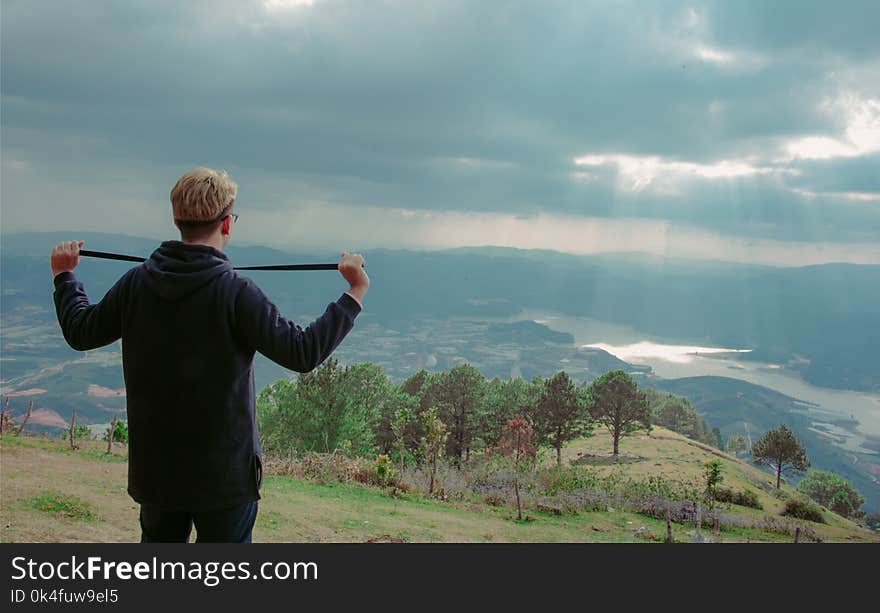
<point x="739" y="407"/>
<point x="50" y="493"/>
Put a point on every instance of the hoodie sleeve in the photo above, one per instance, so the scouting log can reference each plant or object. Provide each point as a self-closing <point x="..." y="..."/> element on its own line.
<point x="259" y="324"/>
<point x="87" y="326"/>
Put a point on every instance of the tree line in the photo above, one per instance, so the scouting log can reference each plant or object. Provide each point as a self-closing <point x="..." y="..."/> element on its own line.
<point x="359" y="409"/>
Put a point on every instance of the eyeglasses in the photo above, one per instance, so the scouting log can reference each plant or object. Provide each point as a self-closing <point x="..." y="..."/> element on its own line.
<point x="191" y="223"/>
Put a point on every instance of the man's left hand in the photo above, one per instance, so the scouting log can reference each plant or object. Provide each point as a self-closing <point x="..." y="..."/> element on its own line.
<point x="65" y="256"/>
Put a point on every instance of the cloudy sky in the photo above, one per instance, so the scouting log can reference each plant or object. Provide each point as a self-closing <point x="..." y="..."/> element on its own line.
<point x="743" y="131"/>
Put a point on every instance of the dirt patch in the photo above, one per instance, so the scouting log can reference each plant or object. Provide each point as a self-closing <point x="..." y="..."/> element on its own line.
<point x="104" y="392"/>
<point x="385" y="538"/>
<point x="31" y="392"/>
<point x="48" y="417"/>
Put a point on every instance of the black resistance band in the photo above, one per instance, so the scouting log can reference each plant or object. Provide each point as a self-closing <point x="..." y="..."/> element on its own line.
<point x="131" y="258"/>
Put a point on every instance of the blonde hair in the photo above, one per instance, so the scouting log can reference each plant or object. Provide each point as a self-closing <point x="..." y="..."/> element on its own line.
<point x="202" y="194"/>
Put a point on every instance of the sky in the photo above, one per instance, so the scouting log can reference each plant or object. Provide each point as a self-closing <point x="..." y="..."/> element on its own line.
<point x="741" y="131"/>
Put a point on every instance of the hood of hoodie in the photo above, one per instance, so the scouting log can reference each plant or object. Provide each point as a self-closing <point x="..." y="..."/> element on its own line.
<point x="177" y="269"/>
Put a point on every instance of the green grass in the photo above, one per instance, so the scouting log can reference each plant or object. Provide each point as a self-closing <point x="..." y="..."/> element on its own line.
<point x="65" y="505"/>
<point x="353" y="512"/>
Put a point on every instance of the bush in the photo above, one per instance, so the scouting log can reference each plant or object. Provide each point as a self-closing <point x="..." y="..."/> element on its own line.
<point x="833" y="492"/>
<point x="379" y="475"/>
<point x="383" y="469"/>
<point x="712" y="475"/>
<point x="79" y="432"/>
<point x="562" y="479"/>
<point x="330" y="467"/>
<point x="494" y="499"/>
<point x="802" y="509"/>
<point x="743" y="498"/>
<point x="120" y="433"/>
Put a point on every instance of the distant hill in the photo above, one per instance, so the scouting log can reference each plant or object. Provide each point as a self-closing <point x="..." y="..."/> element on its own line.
<point x="529" y="331"/>
<point x="820" y="320"/>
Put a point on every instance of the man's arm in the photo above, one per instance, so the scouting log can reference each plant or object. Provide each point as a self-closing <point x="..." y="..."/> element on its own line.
<point x="85" y="326"/>
<point x="260" y="325"/>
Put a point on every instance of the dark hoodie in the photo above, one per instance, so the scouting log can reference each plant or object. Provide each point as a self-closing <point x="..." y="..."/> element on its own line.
<point x="190" y="326"/>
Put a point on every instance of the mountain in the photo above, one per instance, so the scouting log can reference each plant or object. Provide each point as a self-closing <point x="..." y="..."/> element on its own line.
<point x="819" y="320"/>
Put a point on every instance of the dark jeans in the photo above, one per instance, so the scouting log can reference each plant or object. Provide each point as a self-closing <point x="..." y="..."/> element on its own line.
<point x="233" y="525"/>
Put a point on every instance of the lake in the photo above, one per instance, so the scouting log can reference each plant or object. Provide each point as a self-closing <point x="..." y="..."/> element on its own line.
<point x="671" y="359"/>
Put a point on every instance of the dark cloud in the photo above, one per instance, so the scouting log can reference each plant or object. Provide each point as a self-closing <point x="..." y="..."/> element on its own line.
<point x="829" y="28"/>
<point x="858" y="174"/>
<point x="462" y="105"/>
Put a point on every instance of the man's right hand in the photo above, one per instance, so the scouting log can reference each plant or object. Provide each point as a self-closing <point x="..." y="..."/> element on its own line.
<point x="351" y="265"/>
<point x="65" y="257"/>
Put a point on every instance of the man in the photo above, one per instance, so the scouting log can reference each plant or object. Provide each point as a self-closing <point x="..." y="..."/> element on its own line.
<point x="190" y="327"/>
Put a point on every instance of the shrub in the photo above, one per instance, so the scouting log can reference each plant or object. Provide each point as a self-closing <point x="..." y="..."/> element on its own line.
<point x="329" y="467"/>
<point x="281" y="464"/>
<point x="833" y="492"/>
<point x="494" y="499"/>
<point x="8" y="423"/>
<point x="79" y="432"/>
<point x="802" y="509"/>
<point x="120" y="434"/>
<point x="379" y="475"/>
<point x="713" y="478"/>
<point x="383" y="469"/>
<point x="562" y="479"/>
<point x="743" y="498"/>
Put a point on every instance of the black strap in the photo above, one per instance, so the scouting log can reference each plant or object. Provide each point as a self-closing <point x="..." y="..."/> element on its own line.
<point x="110" y="256"/>
<point x="131" y="258"/>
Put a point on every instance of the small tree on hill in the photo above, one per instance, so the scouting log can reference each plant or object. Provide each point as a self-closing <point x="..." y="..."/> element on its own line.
<point x="677" y="414"/>
<point x="713" y="478"/>
<point x="617" y="403"/>
<point x="516" y="445"/>
<point x="780" y="449"/>
<point x="435" y="437"/>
